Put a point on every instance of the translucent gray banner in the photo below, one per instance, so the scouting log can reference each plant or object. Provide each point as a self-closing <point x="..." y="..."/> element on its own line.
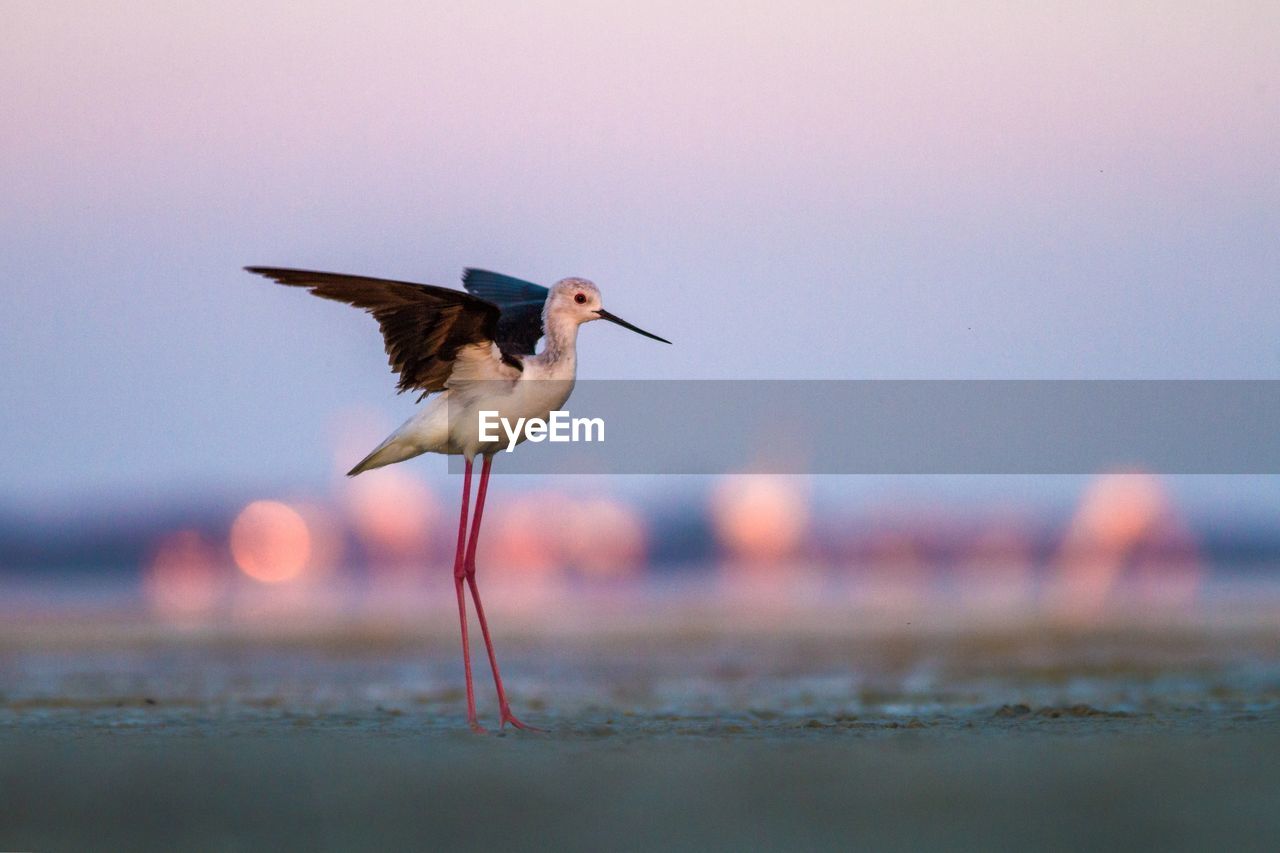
<point x="905" y="427"/>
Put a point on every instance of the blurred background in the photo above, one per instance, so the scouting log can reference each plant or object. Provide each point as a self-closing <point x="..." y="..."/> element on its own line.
<point x="822" y="190"/>
<point x="882" y="191"/>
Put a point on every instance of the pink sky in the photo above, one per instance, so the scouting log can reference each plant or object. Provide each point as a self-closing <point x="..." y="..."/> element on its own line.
<point x="739" y="99"/>
<point x="857" y="190"/>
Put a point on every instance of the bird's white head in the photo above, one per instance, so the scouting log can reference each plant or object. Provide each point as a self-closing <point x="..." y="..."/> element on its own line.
<point x="574" y="298"/>
<point x="578" y="301"/>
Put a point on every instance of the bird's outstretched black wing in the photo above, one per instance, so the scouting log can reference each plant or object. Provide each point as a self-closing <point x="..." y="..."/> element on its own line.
<point x="423" y="326"/>
<point x="520" y="324"/>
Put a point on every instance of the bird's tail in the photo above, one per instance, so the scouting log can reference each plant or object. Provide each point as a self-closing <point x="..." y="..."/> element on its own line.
<point x="427" y="431"/>
<point x="366" y="464"/>
<point x="393" y="450"/>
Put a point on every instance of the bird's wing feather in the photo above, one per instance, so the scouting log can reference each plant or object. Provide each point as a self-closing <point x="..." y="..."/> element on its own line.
<point x="425" y="328"/>
<point x="520" y="324"/>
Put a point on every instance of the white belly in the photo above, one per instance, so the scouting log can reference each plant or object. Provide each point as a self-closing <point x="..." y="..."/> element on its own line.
<point x="450" y="422"/>
<point x="525" y="399"/>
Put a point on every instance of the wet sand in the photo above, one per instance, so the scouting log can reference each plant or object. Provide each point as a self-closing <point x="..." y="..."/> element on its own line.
<point x="336" y="790"/>
<point x="692" y="730"/>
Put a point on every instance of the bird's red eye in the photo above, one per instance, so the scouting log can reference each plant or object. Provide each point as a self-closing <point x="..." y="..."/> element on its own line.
<point x="580" y="298"/>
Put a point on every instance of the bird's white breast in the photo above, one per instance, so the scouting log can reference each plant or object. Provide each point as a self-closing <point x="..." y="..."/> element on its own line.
<point x="450" y="422"/>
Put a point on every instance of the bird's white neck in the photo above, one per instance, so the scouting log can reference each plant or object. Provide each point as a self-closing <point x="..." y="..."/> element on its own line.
<point x="559" y="354"/>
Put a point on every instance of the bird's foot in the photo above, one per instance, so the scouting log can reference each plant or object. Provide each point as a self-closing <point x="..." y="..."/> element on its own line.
<point x="508" y="717"/>
<point x="477" y="728"/>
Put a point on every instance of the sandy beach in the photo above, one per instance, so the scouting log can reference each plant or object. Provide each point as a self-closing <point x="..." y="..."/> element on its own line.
<point x="678" y="727"/>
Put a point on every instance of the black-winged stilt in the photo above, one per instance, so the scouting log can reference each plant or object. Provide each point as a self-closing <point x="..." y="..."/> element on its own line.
<point x="476" y="352"/>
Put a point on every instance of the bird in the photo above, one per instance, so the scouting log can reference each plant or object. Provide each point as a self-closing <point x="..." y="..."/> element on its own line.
<point x="475" y="350"/>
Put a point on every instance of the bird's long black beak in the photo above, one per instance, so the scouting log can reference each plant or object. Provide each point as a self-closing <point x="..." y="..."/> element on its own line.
<point x="612" y="318"/>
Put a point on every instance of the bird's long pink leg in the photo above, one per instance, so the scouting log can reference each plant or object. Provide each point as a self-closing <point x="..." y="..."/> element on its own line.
<point x="470" y="569"/>
<point x="459" y="573"/>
